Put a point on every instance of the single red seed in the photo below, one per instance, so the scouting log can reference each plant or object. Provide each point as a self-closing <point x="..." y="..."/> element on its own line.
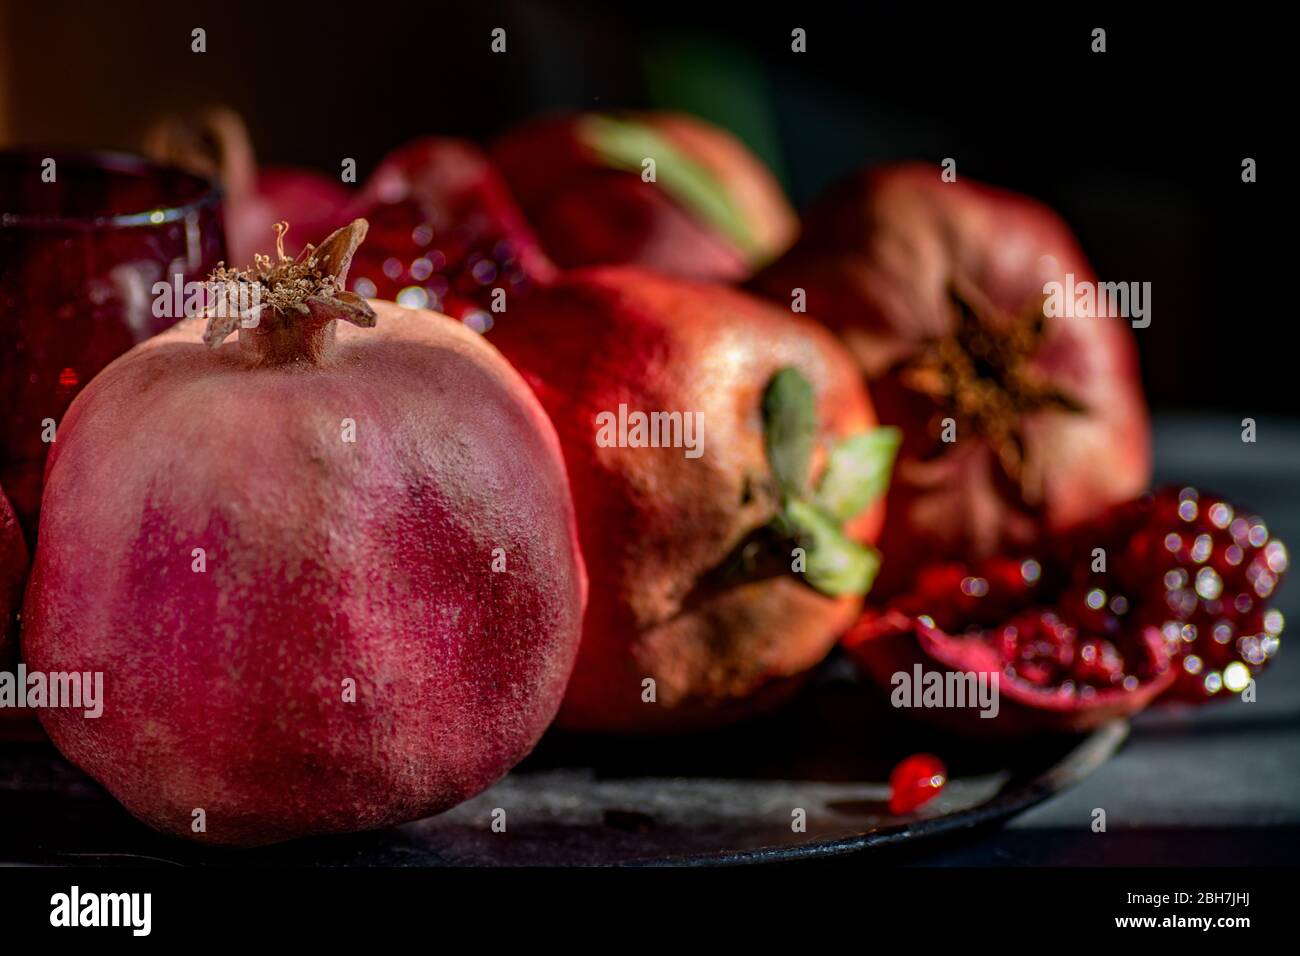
<point x="915" y="781"/>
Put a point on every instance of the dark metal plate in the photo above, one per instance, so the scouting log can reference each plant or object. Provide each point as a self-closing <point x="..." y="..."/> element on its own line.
<point x="720" y="798"/>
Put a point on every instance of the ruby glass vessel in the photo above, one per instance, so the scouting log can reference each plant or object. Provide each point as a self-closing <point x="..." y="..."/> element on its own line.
<point x="83" y="239"/>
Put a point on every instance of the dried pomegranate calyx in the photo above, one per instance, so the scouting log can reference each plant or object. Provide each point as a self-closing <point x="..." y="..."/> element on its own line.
<point x="290" y="314"/>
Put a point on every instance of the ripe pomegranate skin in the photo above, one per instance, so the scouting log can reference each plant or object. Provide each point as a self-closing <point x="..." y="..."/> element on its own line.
<point x="880" y="258"/>
<point x="325" y="561"/>
<point x="655" y="524"/>
<point x="13" y="574"/>
<point x="590" y="212"/>
<point x="442" y="219"/>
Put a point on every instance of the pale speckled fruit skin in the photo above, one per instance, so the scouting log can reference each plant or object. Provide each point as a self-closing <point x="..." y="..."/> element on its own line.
<point x="653" y="522"/>
<point x="325" y="561"/>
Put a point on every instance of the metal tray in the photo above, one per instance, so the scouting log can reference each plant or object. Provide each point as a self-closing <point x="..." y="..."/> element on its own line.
<point x="720" y="798"/>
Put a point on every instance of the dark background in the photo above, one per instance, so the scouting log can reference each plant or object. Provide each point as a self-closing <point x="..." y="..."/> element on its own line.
<point x="1139" y="148"/>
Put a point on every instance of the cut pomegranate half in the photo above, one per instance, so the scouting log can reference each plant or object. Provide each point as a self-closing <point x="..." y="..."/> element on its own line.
<point x="1162" y="595"/>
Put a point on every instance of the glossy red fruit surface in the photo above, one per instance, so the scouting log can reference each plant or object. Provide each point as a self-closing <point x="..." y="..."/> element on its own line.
<point x="938" y="289"/>
<point x="691" y="580"/>
<point x="329" y="572"/>
<point x="712" y="211"/>
<point x="445" y="234"/>
<point x="915" y="782"/>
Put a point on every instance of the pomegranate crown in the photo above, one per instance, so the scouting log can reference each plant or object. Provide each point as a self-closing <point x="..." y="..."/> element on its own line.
<point x="310" y="285"/>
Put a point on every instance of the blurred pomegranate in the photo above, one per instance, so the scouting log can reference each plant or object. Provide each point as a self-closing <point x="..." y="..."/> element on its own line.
<point x="938" y="290"/>
<point x="713" y="210"/>
<point x="445" y="234"/>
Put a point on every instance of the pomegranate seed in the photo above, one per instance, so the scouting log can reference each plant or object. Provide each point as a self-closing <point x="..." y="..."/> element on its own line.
<point x="915" y="781"/>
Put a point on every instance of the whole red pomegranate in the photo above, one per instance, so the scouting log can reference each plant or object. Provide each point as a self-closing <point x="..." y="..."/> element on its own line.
<point x="445" y="233"/>
<point x="215" y="143"/>
<point x="1013" y="422"/>
<point x="711" y="211"/>
<point x="1163" y="595"/>
<point x="13" y="574"/>
<point x="331" y="576"/>
<point x="708" y="435"/>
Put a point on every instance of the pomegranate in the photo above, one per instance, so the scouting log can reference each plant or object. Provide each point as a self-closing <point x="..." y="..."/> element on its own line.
<point x="445" y="232"/>
<point x="712" y="211"/>
<point x="215" y="143"/>
<point x="915" y="782"/>
<point x="1161" y="595"/>
<point x="330" y="575"/>
<point x="13" y="574"/>
<point x="696" y="618"/>
<point x="1014" y="423"/>
<point x="1052" y="676"/>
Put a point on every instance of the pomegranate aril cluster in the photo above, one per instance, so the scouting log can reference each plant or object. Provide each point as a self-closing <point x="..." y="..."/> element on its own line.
<point x="409" y="260"/>
<point x="958" y="596"/>
<point x="1214" y="570"/>
<point x="1046" y="632"/>
<point x="1184" y="584"/>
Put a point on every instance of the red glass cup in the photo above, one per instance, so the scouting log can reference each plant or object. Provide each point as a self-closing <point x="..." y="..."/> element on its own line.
<point x="80" y="252"/>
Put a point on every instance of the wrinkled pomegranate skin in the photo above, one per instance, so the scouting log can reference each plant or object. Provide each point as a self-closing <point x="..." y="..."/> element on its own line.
<point x="326" y="561"/>
<point x="877" y="258"/>
<point x="653" y="522"/>
<point x="13" y="574"/>
<point x="587" y="213"/>
<point x="451" y="188"/>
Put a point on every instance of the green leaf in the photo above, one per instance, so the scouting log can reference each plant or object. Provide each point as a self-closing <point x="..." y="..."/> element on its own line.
<point x="857" y="472"/>
<point x="789" y="429"/>
<point x="625" y="144"/>
<point x="835" y="565"/>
